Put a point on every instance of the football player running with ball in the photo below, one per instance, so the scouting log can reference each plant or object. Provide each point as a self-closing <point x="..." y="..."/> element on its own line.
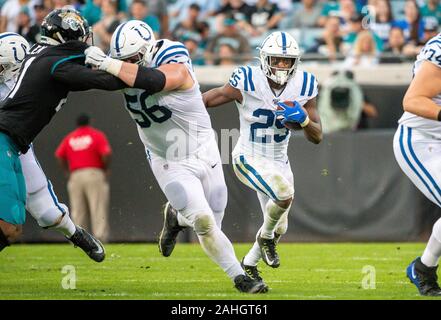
<point x="176" y="130"/>
<point x="272" y="99"/>
<point x="417" y="148"/>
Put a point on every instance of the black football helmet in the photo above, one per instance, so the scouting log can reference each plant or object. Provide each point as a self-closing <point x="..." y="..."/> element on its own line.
<point x="64" y="25"/>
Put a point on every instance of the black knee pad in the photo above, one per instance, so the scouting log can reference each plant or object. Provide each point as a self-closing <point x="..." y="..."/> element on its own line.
<point x="3" y="240"/>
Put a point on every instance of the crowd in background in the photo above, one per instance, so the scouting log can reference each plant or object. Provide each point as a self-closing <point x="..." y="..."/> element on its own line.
<point x="220" y="32"/>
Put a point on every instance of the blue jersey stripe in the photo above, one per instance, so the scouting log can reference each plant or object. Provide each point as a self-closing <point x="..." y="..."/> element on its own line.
<point x="245" y="78"/>
<point x="283" y="42"/>
<point x="172" y="54"/>
<point x="305" y="81"/>
<point x="118" y="33"/>
<point x="312" y="83"/>
<point x="54" y="197"/>
<point x="250" y="78"/>
<point x="403" y="152"/>
<point x="259" y="177"/>
<point x="64" y="60"/>
<point x="428" y="175"/>
<point x="178" y="46"/>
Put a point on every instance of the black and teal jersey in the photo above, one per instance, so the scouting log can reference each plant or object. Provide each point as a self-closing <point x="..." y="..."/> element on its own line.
<point x="47" y="75"/>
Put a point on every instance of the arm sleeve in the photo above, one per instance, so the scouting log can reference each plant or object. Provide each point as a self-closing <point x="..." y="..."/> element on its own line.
<point x="432" y="52"/>
<point x="80" y="78"/>
<point x="150" y="79"/>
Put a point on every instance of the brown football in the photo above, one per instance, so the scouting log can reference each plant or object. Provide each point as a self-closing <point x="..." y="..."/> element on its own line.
<point x="292" y="125"/>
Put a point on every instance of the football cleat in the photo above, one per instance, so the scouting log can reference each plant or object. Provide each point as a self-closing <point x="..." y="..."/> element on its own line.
<point x="268" y="251"/>
<point x="244" y="283"/>
<point x="251" y="271"/>
<point x="424" y="278"/>
<point x="89" y="244"/>
<point x="277" y="237"/>
<point x="170" y="230"/>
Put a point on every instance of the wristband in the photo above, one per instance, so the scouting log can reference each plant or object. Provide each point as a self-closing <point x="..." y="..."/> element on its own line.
<point x="305" y="123"/>
<point x="114" y="66"/>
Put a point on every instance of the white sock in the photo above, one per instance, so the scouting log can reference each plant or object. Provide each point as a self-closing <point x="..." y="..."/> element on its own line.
<point x="432" y="252"/>
<point x="66" y="226"/>
<point x="253" y="256"/>
<point x="271" y="217"/>
<point x="218" y="217"/>
<point x="217" y="246"/>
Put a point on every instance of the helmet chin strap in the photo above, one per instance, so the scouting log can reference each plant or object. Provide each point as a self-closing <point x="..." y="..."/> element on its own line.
<point x="50" y="41"/>
<point x="281" y="77"/>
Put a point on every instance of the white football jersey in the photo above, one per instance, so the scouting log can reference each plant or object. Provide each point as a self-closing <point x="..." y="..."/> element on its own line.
<point x="174" y="124"/>
<point x="6" y="87"/>
<point x="261" y="133"/>
<point x="432" y="53"/>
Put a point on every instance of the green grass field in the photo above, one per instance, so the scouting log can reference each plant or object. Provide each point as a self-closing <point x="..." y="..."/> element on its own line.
<point x="137" y="271"/>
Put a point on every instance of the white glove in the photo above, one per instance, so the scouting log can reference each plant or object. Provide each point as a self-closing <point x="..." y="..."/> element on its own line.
<point x="98" y="59"/>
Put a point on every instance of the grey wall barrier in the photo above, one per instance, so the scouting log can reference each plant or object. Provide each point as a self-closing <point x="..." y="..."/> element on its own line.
<point x="347" y="188"/>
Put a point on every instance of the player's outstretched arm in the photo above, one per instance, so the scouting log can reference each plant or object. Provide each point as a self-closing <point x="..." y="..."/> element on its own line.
<point x="221" y="95"/>
<point x="425" y="86"/>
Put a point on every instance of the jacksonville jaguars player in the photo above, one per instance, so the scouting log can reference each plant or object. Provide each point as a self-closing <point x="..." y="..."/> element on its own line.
<point x="176" y="130"/>
<point x="417" y="148"/>
<point x="41" y="201"/>
<point x="260" y="158"/>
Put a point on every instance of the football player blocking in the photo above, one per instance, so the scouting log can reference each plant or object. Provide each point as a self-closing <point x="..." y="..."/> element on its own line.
<point x="417" y="148"/>
<point x="188" y="169"/>
<point x="41" y="201"/>
<point x="270" y="100"/>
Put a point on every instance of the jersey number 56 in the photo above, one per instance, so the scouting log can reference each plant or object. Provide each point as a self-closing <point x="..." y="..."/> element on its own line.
<point x="146" y="114"/>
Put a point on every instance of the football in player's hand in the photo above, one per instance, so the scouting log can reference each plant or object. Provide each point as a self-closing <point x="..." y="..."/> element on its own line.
<point x="291" y="125"/>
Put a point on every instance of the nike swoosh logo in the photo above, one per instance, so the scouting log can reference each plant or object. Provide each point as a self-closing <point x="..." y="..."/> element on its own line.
<point x="100" y="249"/>
<point x="212" y="167"/>
<point x="293" y="114"/>
<point x="413" y="272"/>
<point x="270" y="262"/>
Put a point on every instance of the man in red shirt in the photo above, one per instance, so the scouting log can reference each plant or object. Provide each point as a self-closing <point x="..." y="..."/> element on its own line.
<point x="84" y="154"/>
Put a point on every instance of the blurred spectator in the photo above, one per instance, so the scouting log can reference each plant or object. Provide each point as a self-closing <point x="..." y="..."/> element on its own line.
<point x="382" y="23"/>
<point x="340" y="103"/>
<point x="33" y="34"/>
<point x="430" y="30"/>
<point x="140" y="11"/>
<point x="159" y="9"/>
<point x="11" y="10"/>
<point x="364" y="52"/>
<point x="412" y="25"/>
<point x="204" y="32"/>
<point x="432" y="8"/>
<point x="355" y="27"/>
<point x="396" y="42"/>
<point x="92" y="11"/>
<point x="190" y="24"/>
<point x="230" y="35"/>
<point x="84" y="154"/>
<point x="238" y="9"/>
<point x="208" y="8"/>
<point x="226" y="55"/>
<point x="191" y="42"/>
<point x="331" y="42"/>
<point x="264" y="16"/>
<point x="24" y="27"/>
<point x="104" y="28"/>
<point x="306" y="16"/>
<point x="341" y="8"/>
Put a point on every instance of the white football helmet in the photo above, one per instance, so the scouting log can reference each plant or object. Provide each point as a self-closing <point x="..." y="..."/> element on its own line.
<point x="133" y="39"/>
<point x="13" y="49"/>
<point x="279" y="44"/>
